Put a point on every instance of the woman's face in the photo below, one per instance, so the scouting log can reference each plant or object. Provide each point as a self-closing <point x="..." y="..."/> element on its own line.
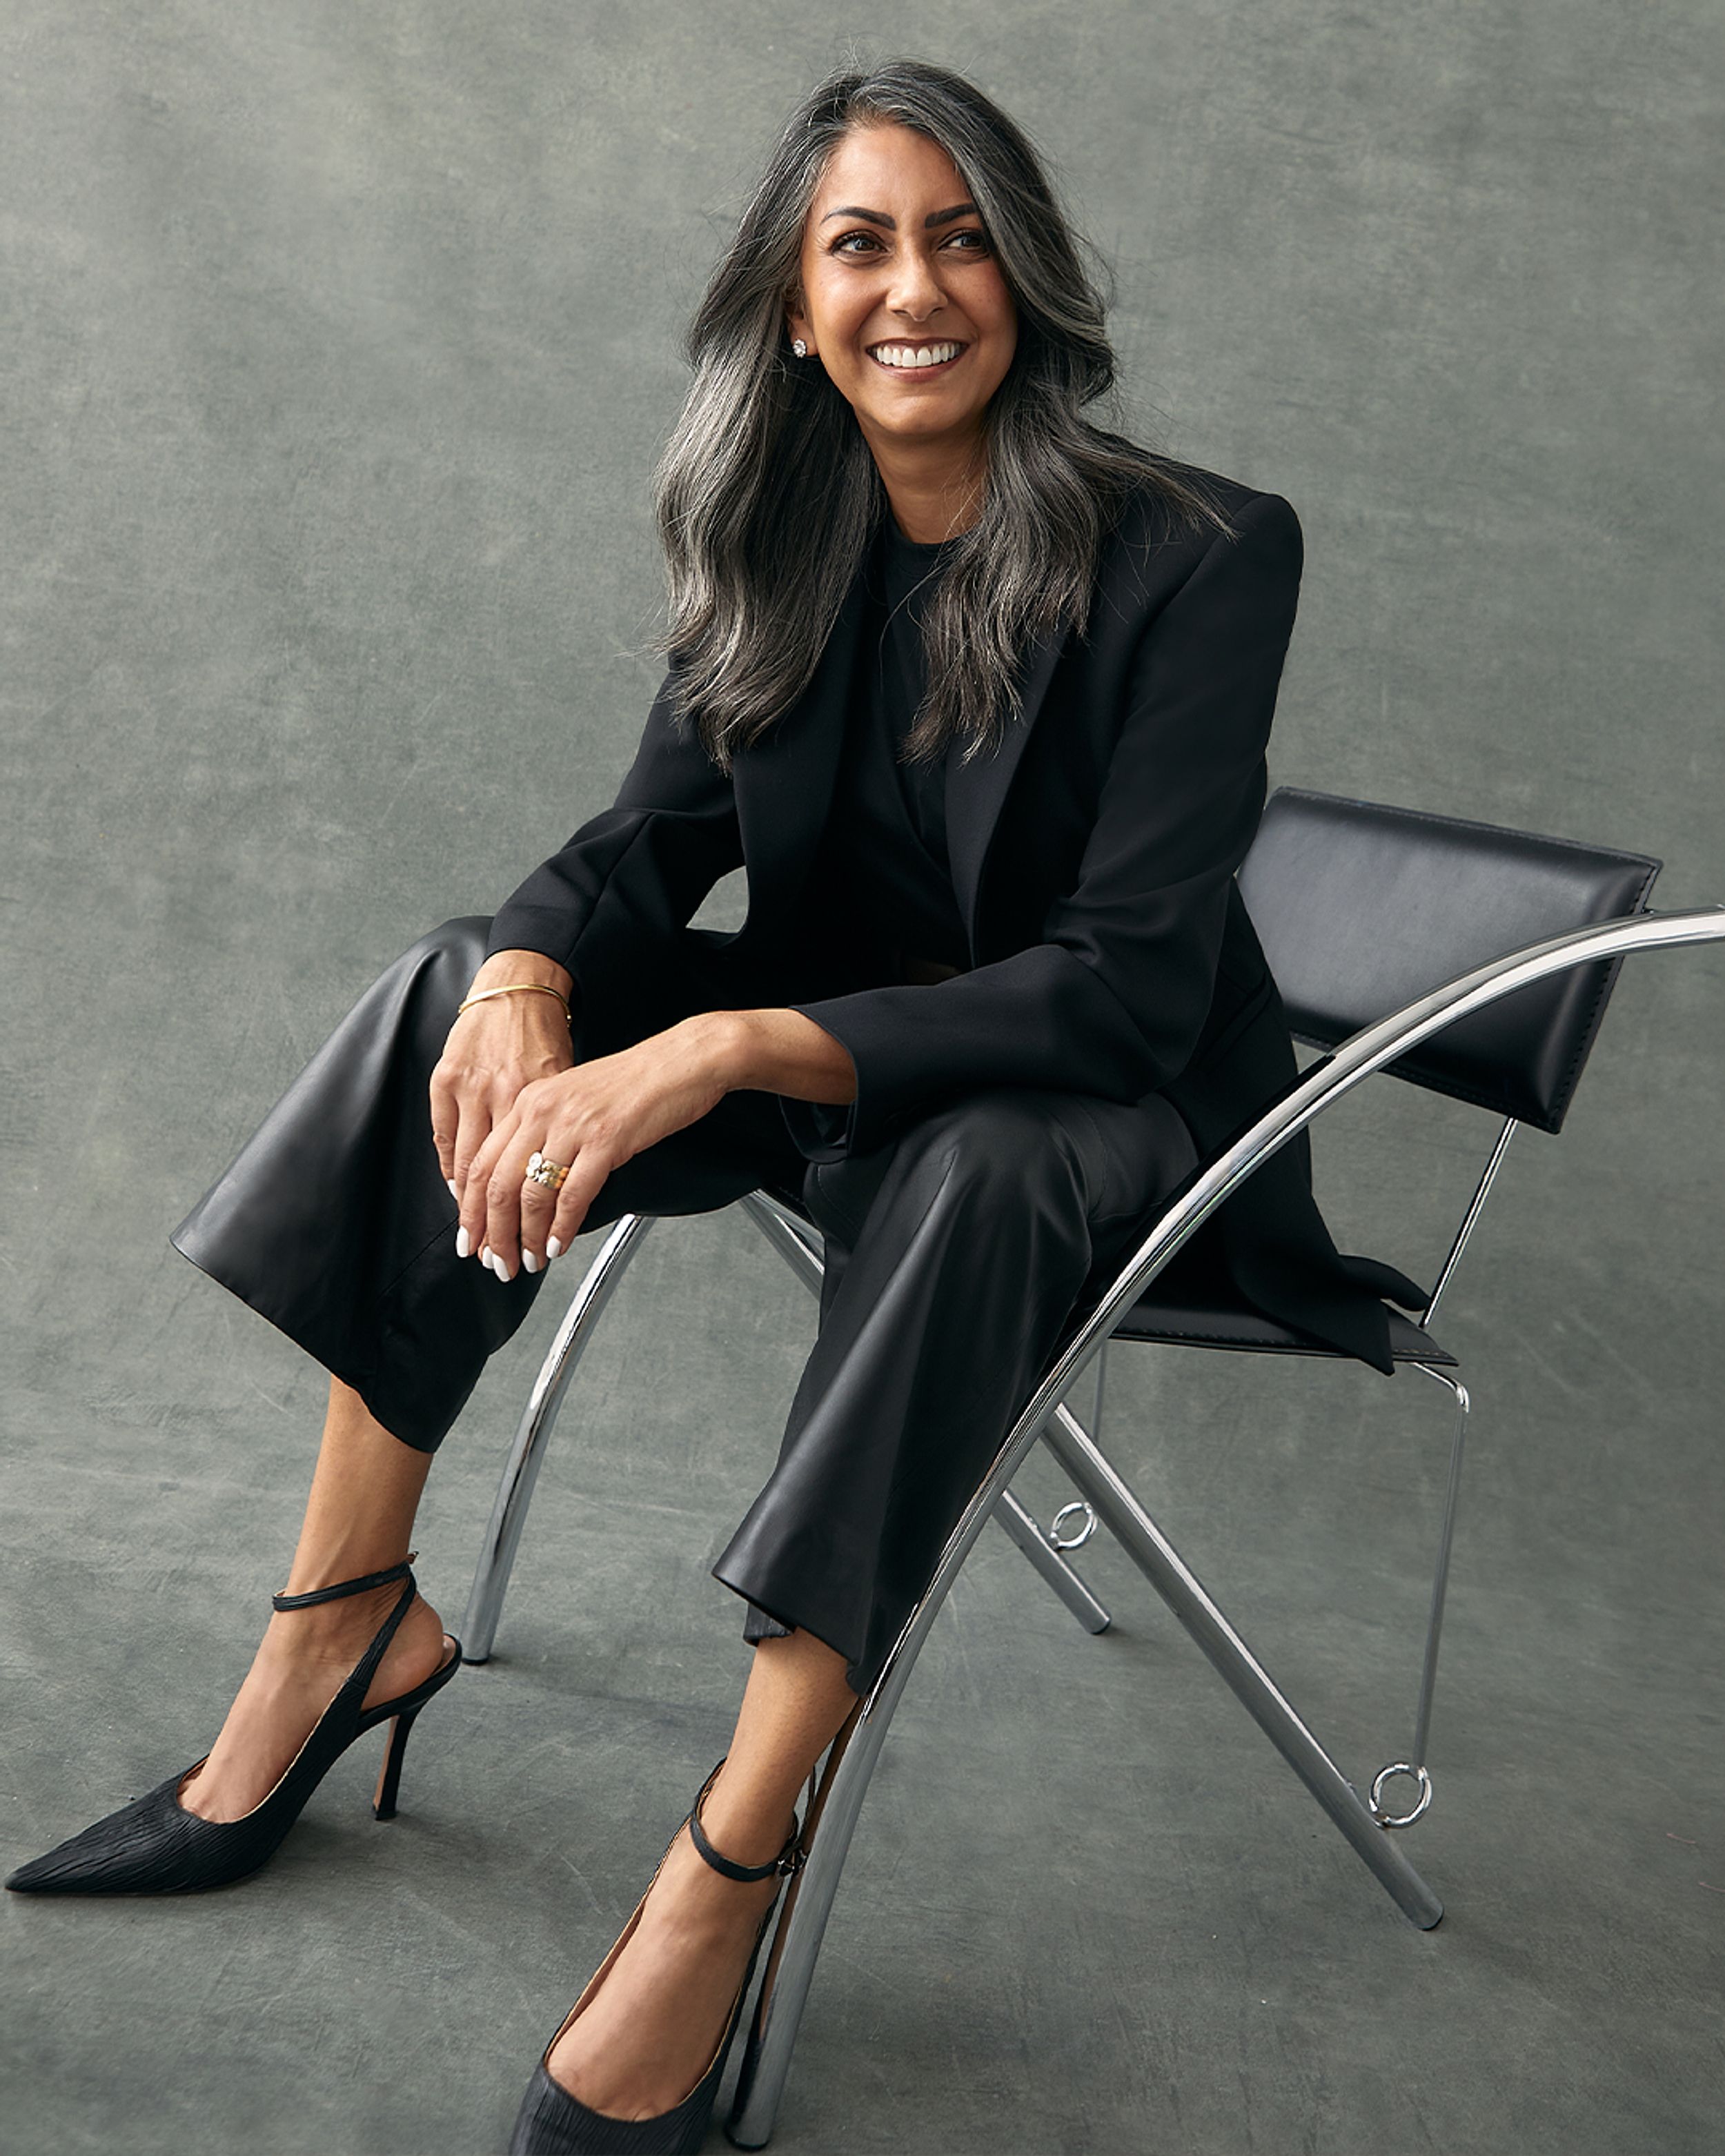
<point x="902" y="300"/>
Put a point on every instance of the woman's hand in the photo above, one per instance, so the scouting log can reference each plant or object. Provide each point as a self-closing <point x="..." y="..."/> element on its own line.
<point x="589" y="1119"/>
<point x="493" y="1050"/>
<point x="594" y="1117"/>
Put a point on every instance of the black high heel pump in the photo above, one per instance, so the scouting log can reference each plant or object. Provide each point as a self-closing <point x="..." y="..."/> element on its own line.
<point x="154" y="1846"/>
<point x="552" y="2122"/>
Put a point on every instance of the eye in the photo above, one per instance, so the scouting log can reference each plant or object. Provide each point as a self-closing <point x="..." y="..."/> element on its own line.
<point x="857" y="243"/>
<point x="971" y="240"/>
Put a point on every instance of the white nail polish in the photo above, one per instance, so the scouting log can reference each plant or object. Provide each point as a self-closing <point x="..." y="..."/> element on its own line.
<point x="553" y="1249"/>
<point x="499" y="1269"/>
<point x="530" y="1264"/>
<point x="454" y="1192"/>
<point x="464" y="1244"/>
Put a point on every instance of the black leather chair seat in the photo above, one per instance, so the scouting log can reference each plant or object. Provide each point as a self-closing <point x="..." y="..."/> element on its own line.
<point x="1195" y="1305"/>
<point x="1219" y="1317"/>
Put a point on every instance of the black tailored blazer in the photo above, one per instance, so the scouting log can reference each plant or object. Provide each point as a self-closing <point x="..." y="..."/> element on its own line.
<point x="1092" y="857"/>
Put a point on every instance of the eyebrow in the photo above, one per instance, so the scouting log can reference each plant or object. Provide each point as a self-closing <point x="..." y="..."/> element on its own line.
<point x="879" y="216"/>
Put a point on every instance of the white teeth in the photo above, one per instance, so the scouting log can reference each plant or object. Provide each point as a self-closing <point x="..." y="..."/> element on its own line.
<point x="916" y="355"/>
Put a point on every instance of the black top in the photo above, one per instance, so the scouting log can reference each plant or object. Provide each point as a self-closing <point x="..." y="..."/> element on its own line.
<point x="885" y="848"/>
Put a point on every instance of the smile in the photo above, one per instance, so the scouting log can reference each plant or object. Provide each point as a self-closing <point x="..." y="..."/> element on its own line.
<point x="917" y="358"/>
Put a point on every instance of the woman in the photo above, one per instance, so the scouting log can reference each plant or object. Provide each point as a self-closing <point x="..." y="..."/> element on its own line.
<point x="978" y="694"/>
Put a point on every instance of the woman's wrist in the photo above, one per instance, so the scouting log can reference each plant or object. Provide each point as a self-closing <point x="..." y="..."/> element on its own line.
<point x="509" y="968"/>
<point x="773" y="1051"/>
<point x="516" y="988"/>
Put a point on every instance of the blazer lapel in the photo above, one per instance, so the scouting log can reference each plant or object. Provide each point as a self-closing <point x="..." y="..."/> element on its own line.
<point x="976" y="792"/>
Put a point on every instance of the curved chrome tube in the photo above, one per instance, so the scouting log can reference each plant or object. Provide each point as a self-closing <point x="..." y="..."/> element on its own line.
<point x="798" y="1943"/>
<point x="514" y="1492"/>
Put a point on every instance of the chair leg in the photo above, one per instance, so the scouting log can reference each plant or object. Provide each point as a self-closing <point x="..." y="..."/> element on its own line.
<point x="796" y="1244"/>
<point x="796" y="1241"/>
<point x="1414" y="1768"/>
<point x="1174" y="1581"/>
<point x="514" y="1492"/>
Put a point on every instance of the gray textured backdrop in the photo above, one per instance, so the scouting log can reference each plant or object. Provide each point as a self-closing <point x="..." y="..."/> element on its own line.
<point x="340" y="340"/>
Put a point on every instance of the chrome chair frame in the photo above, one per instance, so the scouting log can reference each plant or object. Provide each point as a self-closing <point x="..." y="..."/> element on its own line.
<point x="849" y="1765"/>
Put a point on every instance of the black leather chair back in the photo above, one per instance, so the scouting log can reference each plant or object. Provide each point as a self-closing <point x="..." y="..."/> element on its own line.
<point x="1362" y="908"/>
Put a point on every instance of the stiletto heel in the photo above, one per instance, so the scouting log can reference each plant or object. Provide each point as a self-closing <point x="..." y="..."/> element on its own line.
<point x="154" y="1846"/>
<point x="389" y="1775"/>
<point x="552" y="2122"/>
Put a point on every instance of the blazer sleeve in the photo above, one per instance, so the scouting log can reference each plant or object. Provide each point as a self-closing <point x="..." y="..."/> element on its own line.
<point x="631" y="877"/>
<point x="1113" y="999"/>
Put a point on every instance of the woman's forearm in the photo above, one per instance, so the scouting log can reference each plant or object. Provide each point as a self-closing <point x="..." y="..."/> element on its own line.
<point x="776" y="1051"/>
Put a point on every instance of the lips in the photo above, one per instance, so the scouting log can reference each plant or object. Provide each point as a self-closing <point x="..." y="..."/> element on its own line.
<point x="899" y="358"/>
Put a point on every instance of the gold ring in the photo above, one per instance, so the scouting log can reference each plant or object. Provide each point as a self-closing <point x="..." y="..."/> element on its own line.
<point x="549" y="1174"/>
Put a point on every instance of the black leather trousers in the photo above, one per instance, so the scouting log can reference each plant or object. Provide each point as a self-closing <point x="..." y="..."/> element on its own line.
<point x="956" y="1258"/>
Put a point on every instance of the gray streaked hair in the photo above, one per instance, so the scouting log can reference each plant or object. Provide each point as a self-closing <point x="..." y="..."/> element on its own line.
<point x="767" y="495"/>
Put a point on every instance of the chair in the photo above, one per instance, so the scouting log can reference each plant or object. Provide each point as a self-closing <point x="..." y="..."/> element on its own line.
<point x="1471" y="961"/>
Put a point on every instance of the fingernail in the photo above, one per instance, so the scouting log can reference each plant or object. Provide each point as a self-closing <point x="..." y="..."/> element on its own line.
<point x="553" y="1249"/>
<point x="454" y="1192"/>
<point x="530" y="1264"/>
<point x="464" y="1244"/>
<point x="499" y="1269"/>
<point x="485" y="1255"/>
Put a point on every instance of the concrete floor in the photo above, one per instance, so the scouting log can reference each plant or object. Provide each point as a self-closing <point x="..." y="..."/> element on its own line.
<point x="1088" y="1910"/>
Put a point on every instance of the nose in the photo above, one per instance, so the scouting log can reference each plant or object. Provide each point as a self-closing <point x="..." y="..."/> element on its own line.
<point x="916" y="292"/>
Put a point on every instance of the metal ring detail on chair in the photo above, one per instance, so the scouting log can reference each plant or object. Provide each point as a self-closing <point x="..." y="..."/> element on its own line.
<point x="1399" y="1819"/>
<point x="548" y="1174"/>
<point x="1060" y="1541"/>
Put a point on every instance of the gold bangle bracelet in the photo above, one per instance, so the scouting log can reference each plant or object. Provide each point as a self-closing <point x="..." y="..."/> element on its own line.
<point x="516" y="988"/>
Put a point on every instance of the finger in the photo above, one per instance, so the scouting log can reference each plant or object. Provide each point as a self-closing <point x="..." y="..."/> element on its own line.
<point x="503" y="1199"/>
<point x="470" y="1239"/>
<point x="473" y="1128"/>
<point x="502" y="1250"/>
<point x="445" y="1118"/>
<point x="538" y="1202"/>
<point x="585" y="1180"/>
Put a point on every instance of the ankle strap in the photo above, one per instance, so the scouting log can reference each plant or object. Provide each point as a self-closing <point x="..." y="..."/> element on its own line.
<point x="345" y="1586"/>
<point x="788" y="1862"/>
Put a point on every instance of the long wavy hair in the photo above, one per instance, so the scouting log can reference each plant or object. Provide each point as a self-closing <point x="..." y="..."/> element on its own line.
<point x="767" y="495"/>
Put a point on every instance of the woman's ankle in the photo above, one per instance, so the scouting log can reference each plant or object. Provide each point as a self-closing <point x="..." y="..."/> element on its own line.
<point x="320" y="1567"/>
<point x="339" y="1631"/>
<point x="746" y="1821"/>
